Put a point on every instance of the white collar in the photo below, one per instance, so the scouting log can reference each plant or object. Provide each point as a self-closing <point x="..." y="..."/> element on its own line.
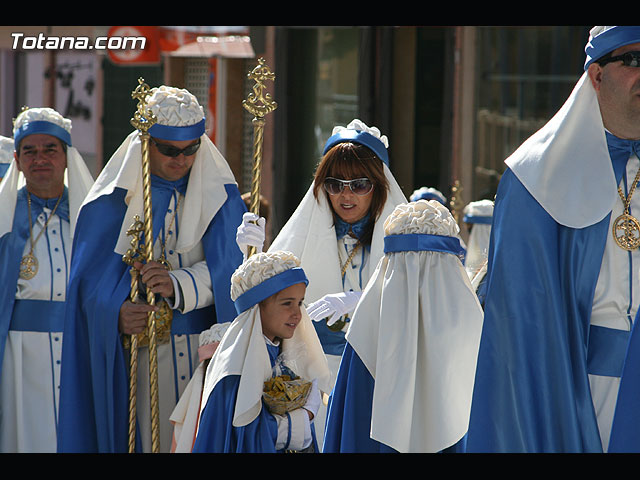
<point x="567" y="160"/>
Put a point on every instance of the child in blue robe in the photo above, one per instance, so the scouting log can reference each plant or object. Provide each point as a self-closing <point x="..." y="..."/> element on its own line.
<point x="272" y="335"/>
<point x="406" y="376"/>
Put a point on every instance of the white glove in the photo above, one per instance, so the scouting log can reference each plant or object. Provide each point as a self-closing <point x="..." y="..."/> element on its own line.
<point x="314" y="398"/>
<point x="250" y="233"/>
<point x="333" y="305"/>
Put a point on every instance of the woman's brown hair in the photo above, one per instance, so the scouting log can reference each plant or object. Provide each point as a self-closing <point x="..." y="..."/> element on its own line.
<point x="348" y="161"/>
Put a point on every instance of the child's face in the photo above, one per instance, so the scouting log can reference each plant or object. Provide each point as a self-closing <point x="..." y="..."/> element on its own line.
<point x="281" y="313"/>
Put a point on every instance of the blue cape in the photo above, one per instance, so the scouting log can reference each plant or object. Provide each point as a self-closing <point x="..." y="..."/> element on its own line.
<point x="625" y="436"/>
<point x="216" y="433"/>
<point x="11" y="250"/>
<point x="94" y="380"/>
<point x="532" y="391"/>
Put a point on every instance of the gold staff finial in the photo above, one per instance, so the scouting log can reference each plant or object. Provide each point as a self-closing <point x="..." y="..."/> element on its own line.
<point x="259" y="103"/>
<point x="143" y="120"/>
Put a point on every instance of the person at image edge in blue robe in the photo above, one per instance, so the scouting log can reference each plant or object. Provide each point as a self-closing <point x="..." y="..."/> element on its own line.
<point x="549" y="360"/>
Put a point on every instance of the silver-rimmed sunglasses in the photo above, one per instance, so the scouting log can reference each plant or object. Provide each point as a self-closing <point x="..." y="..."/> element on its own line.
<point x="359" y="186"/>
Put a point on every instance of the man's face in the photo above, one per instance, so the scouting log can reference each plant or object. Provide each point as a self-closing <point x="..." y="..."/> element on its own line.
<point x="167" y="167"/>
<point x="42" y="160"/>
<point x="618" y="90"/>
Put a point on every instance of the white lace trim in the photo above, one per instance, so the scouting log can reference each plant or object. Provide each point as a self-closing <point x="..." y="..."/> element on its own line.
<point x="175" y="107"/>
<point x="258" y="268"/>
<point x="423" y="216"/>
<point x="360" y="126"/>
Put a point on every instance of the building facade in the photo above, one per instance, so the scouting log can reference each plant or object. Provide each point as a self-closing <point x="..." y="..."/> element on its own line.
<point x="454" y="101"/>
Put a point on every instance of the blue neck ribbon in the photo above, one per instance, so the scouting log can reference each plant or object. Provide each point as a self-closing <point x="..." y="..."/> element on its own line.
<point x="423" y="242"/>
<point x="620" y="150"/>
<point x="343" y="228"/>
<point x="38" y="204"/>
<point x="269" y="287"/>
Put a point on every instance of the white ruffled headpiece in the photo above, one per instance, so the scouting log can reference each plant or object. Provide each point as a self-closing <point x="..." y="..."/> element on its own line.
<point x="78" y="179"/>
<point x="360" y="126"/>
<point x="260" y="267"/>
<point x="423" y="216"/>
<point x="480" y="208"/>
<point x="243" y="351"/>
<point x="41" y="114"/>
<point x="175" y="107"/>
<point x="417" y="330"/>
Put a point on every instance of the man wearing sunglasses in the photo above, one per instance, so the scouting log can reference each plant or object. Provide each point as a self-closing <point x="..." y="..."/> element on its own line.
<point x="562" y="280"/>
<point x="196" y="209"/>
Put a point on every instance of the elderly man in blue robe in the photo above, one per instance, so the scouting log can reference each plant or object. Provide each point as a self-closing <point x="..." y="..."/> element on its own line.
<point x="37" y="220"/>
<point x="196" y="209"/>
<point x="562" y="281"/>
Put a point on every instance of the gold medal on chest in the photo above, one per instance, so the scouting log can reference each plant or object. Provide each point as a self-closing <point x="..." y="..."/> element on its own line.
<point x="28" y="266"/>
<point x="29" y="262"/>
<point x="626" y="232"/>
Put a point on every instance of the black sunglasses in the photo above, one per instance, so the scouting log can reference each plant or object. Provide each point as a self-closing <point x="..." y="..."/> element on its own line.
<point x="629" y="59"/>
<point x="172" y="151"/>
<point x="359" y="186"/>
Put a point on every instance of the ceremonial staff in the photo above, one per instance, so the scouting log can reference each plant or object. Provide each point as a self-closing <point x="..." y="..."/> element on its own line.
<point x="456" y="201"/>
<point x="142" y="120"/>
<point x="259" y="104"/>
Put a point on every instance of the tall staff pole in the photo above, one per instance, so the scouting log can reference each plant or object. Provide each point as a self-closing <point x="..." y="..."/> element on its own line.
<point x="456" y="201"/>
<point x="142" y="120"/>
<point x="259" y="103"/>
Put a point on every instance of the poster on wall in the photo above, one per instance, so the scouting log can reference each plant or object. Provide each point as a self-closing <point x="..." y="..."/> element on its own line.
<point x="77" y="98"/>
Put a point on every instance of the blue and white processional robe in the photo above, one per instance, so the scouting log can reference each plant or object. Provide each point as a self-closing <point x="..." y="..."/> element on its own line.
<point x="406" y="374"/>
<point x="559" y="308"/>
<point x="95" y="384"/>
<point x="31" y="325"/>
<point x="217" y="434"/>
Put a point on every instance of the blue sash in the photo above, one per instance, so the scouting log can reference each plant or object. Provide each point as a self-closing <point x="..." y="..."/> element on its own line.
<point x="607" y="351"/>
<point x="37" y="316"/>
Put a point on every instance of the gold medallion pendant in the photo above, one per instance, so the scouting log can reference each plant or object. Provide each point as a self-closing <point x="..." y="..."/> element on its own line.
<point x="28" y="266"/>
<point x="29" y="263"/>
<point x="626" y="232"/>
<point x="626" y="228"/>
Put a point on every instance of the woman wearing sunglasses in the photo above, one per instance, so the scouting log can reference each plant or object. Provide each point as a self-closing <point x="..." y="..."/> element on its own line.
<point x="337" y="231"/>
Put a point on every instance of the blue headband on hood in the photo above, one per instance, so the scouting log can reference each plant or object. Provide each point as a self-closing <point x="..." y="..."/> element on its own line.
<point x="269" y="287"/>
<point x="609" y="40"/>
<point x="41" y="126"/>
<point x="166" y="132"/>
<point x="362" y="138"/>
